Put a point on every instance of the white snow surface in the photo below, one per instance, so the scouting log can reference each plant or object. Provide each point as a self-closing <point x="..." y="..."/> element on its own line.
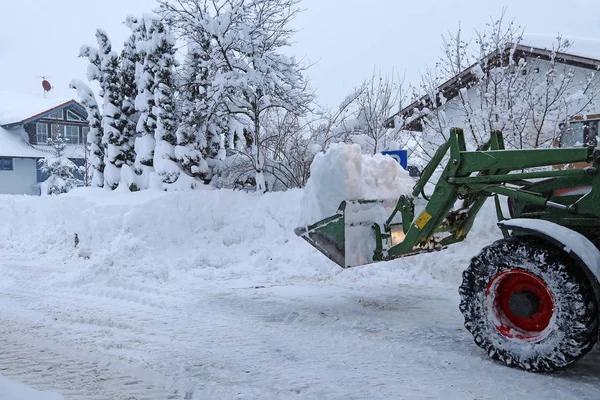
<point x="10" y="390"/>
<point x="16" y="107"/>
<point x="209" y="294"/>
<point x="344" y="173"/>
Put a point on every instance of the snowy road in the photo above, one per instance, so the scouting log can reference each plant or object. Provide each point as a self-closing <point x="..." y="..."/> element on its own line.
<point x="232" y="340"/>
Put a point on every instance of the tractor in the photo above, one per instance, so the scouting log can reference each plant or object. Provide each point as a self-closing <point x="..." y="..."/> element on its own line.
<point x="531" y="300"/>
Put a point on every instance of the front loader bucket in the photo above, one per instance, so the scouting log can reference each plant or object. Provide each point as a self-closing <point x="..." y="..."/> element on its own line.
<point x="347" y="237"/>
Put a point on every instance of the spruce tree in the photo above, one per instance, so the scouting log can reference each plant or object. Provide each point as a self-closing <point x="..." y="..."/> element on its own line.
<point x="105" y="68"/>
<point x="117" y="145"/>
<point x="144" y="102"/>
<point x="94" y="137"/>
<point x="129" y="61"/>
<point x="164" y="109"/>
<point x="59" y="167"/>
<point x="191" y="138"/>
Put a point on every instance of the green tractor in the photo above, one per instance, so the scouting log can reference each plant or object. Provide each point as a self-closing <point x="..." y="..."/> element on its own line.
<point x="531" y="300"/>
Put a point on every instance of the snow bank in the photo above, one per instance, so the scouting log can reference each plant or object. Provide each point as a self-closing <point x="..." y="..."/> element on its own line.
<point x="200" y="236"/>
<point x="162" y="236"/>
<point x="344" y="173"/>
<point x="10" y="390"/>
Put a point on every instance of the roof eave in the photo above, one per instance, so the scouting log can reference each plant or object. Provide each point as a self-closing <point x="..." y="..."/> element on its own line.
<point x="49" y="111"/>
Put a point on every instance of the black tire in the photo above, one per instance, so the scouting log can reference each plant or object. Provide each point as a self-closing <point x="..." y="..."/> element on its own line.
<point x="551" y="319"/>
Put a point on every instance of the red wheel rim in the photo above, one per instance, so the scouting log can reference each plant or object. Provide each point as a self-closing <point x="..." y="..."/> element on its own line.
<point x="520" y="304"/>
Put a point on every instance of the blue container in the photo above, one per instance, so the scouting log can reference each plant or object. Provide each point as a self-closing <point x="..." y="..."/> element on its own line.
<point x="399" y="155"/>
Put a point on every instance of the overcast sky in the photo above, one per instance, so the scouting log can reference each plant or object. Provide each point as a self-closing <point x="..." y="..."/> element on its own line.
<point x="346" y="39"/>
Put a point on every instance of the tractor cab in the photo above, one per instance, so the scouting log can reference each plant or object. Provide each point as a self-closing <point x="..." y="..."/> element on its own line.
<point x="579" y="131"/>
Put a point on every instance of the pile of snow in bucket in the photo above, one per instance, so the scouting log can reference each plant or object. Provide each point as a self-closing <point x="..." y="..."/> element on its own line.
<point x="344" y="173"/>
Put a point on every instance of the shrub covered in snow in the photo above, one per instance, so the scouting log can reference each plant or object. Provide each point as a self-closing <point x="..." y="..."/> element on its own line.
<point x="60" y="168"/>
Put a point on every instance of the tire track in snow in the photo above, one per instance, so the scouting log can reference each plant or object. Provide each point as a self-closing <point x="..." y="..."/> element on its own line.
<point x="46" y="365"/>
<point x="138" y="328"/>
<point x="69" y="342"/>
<point x="108" y="341"/>
<point x="209" y="347"/>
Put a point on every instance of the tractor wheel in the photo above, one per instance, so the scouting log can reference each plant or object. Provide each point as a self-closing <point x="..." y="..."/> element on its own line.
<point x="529" y="305"/>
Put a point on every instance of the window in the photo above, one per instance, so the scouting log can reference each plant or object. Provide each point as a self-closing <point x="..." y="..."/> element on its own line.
<point x="6" y="164"/>
<point x="56" y="115"/>
<point x="71" y="134"/>
<point x="41" y="131"/>
<point x="580" y="133"/>
<point x="71" y="116"/>
<point x="590" y="134"/>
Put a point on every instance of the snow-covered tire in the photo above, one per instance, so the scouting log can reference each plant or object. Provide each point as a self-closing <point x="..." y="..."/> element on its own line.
<point x="528" y="304"/>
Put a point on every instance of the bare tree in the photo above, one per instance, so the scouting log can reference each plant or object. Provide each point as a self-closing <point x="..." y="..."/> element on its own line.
<point x="501" y="85"/>
<point x="381" y="97"/>
<point x="288" y="148"/>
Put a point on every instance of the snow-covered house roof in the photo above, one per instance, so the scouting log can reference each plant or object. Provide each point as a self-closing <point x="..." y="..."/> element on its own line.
<point x="582" y="52"/>
<point x="17" y="110"/>
<point x="15" y="143"/>
<point x="578" y="46"/>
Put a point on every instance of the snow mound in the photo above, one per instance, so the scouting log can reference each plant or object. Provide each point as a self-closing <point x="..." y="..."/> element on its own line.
<point x="344" y="173"/>
<point x="200" y="237"/>
<point x="10" y="390"/>
<point x="163" y="236"/>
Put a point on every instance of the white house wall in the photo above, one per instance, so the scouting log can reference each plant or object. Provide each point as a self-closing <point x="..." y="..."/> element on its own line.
<point x="22" y="179"/>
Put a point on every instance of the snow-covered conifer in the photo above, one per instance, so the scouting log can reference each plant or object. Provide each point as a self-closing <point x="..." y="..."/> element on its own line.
<point x="94" y="72"/>
<point x="144" y="101"/>
<point x="129" y="61"/>
<point x="117" y="145"/>
<point x="94" y="137"/>
<point x="194" y="108"/>
<point x="58" y="166"/>
<point x="163" y="44"/>
<point x="105" y="68"/>
<point x="203" y="118"/>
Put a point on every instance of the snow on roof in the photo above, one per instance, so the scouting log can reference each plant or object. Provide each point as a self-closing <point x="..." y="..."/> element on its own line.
<point x="14" y="143"/>
<point x="580" y="46"/>
<point x="17" y="107"/>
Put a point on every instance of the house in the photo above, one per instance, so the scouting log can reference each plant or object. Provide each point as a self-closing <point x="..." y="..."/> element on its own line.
<point x="26" y="123"/>
<point x="582" y="57"/>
